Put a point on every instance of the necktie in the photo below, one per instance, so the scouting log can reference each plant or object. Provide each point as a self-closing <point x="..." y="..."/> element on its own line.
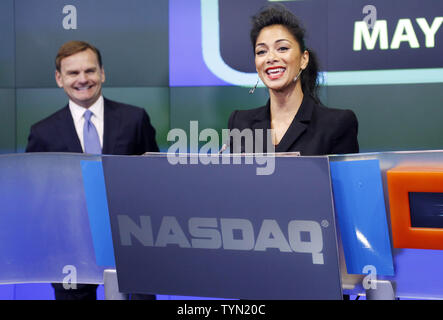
<point x="90" y="136"/>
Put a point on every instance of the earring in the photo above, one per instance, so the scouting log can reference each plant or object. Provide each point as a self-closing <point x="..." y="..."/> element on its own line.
<point x="251" y="91"/>
<point x="298" y="75"/>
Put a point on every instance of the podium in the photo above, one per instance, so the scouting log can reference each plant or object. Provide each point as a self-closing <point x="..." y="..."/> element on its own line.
<point x="216" y="230"/>
<point x="222" y="230"/>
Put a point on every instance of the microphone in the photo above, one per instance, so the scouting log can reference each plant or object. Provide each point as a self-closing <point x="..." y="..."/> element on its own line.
<point x="251" y="91"/>
<point x="226" y="143"/>
<point x="223" y="148"/>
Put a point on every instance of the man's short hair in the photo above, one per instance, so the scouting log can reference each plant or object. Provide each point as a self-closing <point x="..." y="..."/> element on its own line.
<point x="73" y="47"/>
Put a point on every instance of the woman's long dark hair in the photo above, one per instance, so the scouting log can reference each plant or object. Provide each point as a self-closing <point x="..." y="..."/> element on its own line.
<point x="279" y="15"/>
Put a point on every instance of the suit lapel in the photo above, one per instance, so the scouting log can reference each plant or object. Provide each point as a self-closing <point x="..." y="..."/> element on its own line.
<point x="111" y="126"/>
<point x="262" y="121"/>
<point x="298" y="125"/>
<point x="66" y="129"/>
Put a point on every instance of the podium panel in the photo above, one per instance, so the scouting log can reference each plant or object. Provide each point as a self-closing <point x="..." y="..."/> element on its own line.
<point x="215" y="230"/>
<point x="45" y="234"/>
<point x="223" y="231"/>
<point x="417" y="267"/>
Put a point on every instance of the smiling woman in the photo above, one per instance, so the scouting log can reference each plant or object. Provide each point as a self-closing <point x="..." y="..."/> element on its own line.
<point x="279" y="59"/>
<point x="296" y="118"/>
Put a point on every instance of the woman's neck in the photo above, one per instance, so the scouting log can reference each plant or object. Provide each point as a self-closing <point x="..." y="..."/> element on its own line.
<point x="285" y="103"/>
<point x="284" y="106"/>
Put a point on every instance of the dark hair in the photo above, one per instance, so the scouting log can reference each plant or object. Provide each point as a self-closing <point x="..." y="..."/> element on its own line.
<point x="279" y="15"/>
<point x="73" y="47"/>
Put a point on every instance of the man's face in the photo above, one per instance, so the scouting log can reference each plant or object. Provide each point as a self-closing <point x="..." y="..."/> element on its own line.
<point x="81" y="77"/>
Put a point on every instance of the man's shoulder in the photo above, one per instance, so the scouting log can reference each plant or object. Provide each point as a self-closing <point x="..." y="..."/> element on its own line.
<point x="53" y="118"/>
<point x="124" y="110"/>
<point x="116" y="105"/>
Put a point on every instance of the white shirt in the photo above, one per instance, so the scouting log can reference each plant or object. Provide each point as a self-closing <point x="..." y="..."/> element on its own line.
<point x="97" y="118"/>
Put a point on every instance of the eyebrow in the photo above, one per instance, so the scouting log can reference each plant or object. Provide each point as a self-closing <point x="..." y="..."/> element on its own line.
<point x="77" y="70"/>
<point x="279" y="40"/>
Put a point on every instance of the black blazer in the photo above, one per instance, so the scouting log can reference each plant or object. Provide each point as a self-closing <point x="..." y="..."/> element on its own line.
<point x="127" y="130"/>
<point x="315" y="130"/>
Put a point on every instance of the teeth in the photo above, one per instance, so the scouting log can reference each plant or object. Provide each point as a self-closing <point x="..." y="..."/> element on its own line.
<point x="274" y="71"/>
<point x="83" y="88"/>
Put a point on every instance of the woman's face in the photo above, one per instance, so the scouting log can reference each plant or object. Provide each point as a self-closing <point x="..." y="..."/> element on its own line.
<point x="278" y="57"/>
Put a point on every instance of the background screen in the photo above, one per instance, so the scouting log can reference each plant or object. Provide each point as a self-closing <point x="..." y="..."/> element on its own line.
<point x="193" y="60"/>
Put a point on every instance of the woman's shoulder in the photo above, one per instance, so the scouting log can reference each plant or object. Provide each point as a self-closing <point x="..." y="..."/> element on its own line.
<point x="328" y="114"/>
<point x="340" y="125"/>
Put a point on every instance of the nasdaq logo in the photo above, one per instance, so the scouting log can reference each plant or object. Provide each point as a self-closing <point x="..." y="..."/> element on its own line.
<point x="303" y="236"/>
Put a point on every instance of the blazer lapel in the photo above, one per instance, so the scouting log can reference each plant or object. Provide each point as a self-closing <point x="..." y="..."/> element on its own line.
<point x="110" y="126"/>
<point x="298" y="125"/>
<point x="67" y="131"/>
<point x="262" y="121"/>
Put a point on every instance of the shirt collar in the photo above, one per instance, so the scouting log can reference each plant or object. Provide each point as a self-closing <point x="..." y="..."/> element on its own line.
<point x="78" y="111"/>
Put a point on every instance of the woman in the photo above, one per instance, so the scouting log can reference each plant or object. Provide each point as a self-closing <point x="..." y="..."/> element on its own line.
<point x="294" y="113"/>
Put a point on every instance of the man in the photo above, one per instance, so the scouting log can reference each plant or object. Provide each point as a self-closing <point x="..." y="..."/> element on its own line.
<point x="122" y="129"/>
<point x="89" y="123"/>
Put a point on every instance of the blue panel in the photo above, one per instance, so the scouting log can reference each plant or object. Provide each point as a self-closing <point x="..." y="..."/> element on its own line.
<point x="44" y="209"/>
<point x="418" y="273"/>
<point x="7" y="291"/>
<point x="185" y="49"/>
<point x="96" y="202"/>
<point x="34" y="291"/>
<point x="361" y="214"/>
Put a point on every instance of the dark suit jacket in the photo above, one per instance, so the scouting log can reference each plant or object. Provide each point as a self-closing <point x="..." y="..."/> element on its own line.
<point x="315" y="130"/>
<point x="127" y="131"/>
